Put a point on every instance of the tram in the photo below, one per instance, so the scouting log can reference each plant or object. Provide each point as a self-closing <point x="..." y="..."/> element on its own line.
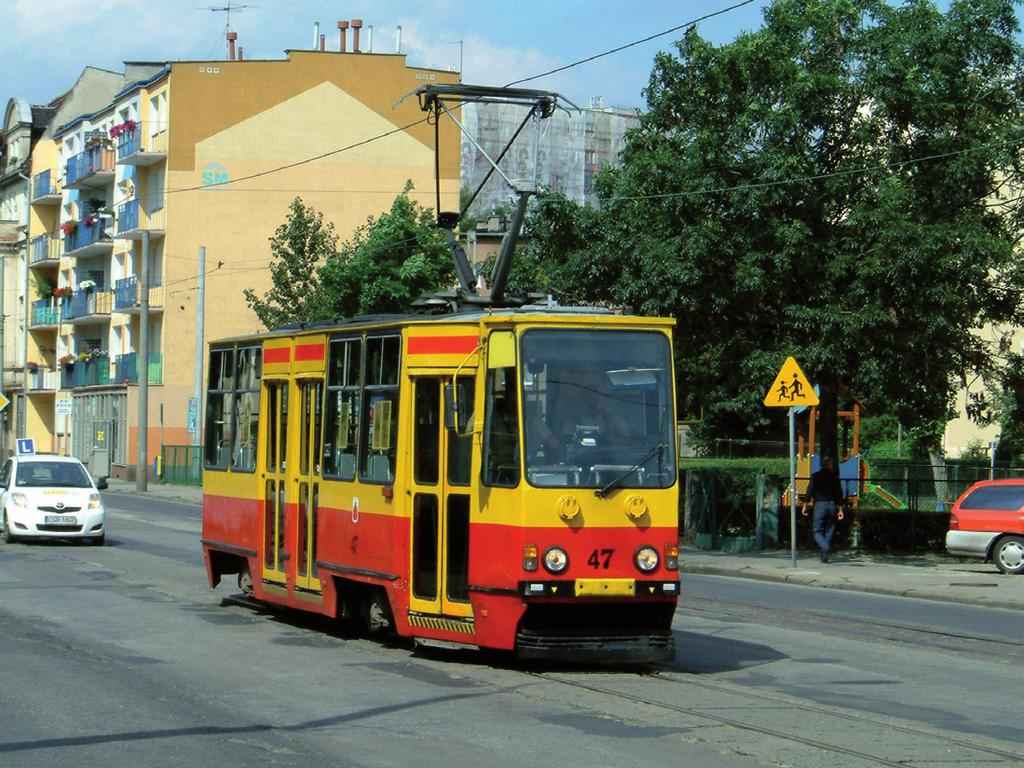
<point x="496" y="474"/>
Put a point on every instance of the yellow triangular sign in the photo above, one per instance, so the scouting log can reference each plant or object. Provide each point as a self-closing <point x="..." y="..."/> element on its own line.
<point x="554" y="590"/>
<point x="4" y="402"/>
<point x="790" y="388"/>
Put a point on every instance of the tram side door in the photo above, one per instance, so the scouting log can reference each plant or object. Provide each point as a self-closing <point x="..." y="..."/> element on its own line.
<point x="305" y="478"/>
<point x="440" y="485"/>
<point x="275" y="487"/>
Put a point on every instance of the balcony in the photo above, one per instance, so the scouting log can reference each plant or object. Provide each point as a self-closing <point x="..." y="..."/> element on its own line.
<point x="141" y="143"/>
<point x="86" y="373"/>
<point x="89" y="238"/>
<point x="128" y="296"/>
<point x="45" y="188"/>
<point x="126" y="369"/>
<point x="45" y="251"/>
<point x="43" y="380"/>
<point x="92" y="168"/>
<point x="86" y="306"/>
<point x="45" y="313"/>
<point x="132" y="221"/>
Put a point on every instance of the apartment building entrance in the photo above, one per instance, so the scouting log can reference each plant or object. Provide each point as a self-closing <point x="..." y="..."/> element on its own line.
<point x="99" y="430"/>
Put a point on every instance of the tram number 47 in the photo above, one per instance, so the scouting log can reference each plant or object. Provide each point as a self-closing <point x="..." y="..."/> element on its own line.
<point x="600" y="558"/>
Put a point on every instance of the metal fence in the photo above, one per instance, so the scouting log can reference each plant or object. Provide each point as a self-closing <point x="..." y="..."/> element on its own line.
<point x="901" y="507"/>
<point x="182" y="464"/>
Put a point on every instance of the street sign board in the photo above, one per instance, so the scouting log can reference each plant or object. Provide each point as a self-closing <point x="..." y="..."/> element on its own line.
<point x="63" y="407"/>
<point x="4" y="401"/>
<point x="26" y="446"/>
<point x="193" y="413"/>
<point x="790" y="388"/>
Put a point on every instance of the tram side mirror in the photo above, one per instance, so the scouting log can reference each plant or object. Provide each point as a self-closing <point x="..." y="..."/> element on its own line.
<point x="457" y="408"/>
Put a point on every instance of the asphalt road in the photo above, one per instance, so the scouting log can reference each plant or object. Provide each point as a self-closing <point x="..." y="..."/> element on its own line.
<point x="123" y="656"/>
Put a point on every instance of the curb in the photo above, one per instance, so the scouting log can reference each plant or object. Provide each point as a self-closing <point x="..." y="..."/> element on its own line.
<point x="808" y="580"/>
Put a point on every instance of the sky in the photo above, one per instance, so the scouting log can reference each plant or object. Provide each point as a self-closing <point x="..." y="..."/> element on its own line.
<point x="44" y="44"/>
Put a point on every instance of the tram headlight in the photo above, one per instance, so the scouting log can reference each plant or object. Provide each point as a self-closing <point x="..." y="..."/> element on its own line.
<point x="646" y="559"/>
<point x="555" y="560"/>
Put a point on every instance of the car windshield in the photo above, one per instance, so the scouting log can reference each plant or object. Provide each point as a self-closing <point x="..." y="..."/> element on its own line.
<point x="52" y="474"/>
<point x="995" y="497"/>
<point x="597" y="408"/>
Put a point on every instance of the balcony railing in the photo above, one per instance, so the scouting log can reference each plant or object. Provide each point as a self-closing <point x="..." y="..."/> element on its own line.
<point x="128" y="216"/>
<point x="85" y="235"/>
<point x="46" y="312"/>
<point x="133" y="219"/>
<point x="46" y="185"/>
<point x="92" y="167"/>
<point x="126" y="369"/>
<point x="43" y="380"/>
<point x="142" y="144"/>
<point x="86" y="373"/>
<point x="85" y="303"/>
<point x="128" y="295"/>
<point x="44" y="248"/>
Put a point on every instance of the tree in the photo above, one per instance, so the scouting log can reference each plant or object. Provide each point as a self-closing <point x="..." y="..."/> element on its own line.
<point x="824" y="187"/>
<point x="298" y="248"/>
<point x="388" y="262"/>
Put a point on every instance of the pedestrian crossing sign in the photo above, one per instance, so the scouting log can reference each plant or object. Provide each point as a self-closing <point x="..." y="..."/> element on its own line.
<point x="790" y="388"/>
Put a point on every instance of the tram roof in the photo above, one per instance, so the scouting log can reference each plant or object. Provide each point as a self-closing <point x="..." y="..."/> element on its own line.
<point x="467" y="315"/>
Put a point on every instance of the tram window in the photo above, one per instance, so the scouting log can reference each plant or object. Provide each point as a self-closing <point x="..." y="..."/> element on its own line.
<point x="272" y="427"/>
<point x="501" y="428"/>
<point x="219" y="398"/>
<point x="424" y="545"/>
<point x="426" y="437"/>
<point x="341" y="419"/>
<point x="457" y="532"/>
<point x="460" y="446"/>
<point x="246" y="410"/>
<point x="380" y="410"/>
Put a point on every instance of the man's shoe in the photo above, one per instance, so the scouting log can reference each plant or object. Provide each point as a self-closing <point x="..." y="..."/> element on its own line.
<point x="824" y="555"/>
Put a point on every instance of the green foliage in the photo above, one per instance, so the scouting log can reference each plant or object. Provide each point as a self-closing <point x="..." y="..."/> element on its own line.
<point x="820" y="187"/>
<point x="388" y="262"/>
<point x="298" y="248"/>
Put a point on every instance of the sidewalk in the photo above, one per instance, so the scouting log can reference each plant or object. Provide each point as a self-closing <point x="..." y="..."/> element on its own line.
<point x="930" y="577"/>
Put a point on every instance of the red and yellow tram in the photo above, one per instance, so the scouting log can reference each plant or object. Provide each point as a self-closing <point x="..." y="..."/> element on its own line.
<point x="496" y="478"/>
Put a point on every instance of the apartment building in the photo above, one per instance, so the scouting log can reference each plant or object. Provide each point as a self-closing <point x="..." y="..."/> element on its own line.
<point x="183" y="155"/>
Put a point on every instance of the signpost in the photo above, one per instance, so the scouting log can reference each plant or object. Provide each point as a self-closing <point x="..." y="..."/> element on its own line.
<point x="4" y="401"/>
<point x="792" y="390"/>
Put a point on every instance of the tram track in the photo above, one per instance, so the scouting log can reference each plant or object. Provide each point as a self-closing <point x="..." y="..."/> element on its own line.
<point x="1014" y="758"/>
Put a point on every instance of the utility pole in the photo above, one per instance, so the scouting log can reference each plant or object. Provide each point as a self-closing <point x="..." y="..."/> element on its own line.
<point x="197" y="383"/>
<point x="141" y="465"/>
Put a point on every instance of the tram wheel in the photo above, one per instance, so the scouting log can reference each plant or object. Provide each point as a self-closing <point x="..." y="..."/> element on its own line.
<point x="245" y="581"/>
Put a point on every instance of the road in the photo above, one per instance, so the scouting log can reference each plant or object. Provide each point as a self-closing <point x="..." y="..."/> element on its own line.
<point x="123" y="656"/>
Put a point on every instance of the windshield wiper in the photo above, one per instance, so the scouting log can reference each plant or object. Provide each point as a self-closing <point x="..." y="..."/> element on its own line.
<point x="616" y="482"/>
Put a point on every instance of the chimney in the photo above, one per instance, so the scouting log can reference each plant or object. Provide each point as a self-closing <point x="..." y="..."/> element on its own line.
<point x="323" y="42"/>
<point x="240" y="52"/>
<point x="342" y="26"/>
<point x="356" y="24"/>
<point x="316" y="33"/>
<point x="231" y="36"/>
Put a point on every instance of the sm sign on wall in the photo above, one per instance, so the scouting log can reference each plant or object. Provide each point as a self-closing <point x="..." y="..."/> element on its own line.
<point x="215" y="175"/>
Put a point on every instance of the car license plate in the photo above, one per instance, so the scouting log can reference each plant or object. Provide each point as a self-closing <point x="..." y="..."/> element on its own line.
<point x="586" y="587"/>
<point x="60" y="520"/>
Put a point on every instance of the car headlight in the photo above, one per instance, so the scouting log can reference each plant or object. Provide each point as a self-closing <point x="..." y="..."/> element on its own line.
<point x="646" y="559"/>
<point x="19" y="499"/>
<point x="94" y="501"/>
<point x="555" y="560"/>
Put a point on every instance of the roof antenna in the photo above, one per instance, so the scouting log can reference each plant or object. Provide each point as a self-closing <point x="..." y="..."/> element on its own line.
<point x="227" y="27"/>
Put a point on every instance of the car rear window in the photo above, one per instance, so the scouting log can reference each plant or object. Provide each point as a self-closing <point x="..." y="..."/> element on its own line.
<point x="995" y="497"/>
<point x="52" y="474"/>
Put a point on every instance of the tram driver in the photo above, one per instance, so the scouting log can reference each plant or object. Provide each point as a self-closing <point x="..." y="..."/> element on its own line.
<point x="586" y="415"/>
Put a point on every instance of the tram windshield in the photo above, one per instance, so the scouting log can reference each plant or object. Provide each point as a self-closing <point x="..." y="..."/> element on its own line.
<point x="598" y="409"/>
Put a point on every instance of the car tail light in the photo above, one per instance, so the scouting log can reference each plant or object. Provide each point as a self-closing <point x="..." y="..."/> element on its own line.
<point x="954" y="524"/>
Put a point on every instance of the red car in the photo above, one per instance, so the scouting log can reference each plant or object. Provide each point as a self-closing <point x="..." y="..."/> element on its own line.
<point x="988" y="521"/>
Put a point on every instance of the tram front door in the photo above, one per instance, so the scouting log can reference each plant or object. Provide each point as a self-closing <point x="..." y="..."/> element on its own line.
<point x="440" y="484"/>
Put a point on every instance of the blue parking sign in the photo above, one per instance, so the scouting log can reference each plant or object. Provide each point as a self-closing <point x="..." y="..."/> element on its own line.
<point x="26" y="446"/>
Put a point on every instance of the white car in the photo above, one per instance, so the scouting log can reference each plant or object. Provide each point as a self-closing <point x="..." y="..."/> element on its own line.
<point x="51" y="497"/>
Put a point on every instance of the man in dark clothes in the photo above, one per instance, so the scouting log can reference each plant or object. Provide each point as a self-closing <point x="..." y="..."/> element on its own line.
<point x="826" y="496"/>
